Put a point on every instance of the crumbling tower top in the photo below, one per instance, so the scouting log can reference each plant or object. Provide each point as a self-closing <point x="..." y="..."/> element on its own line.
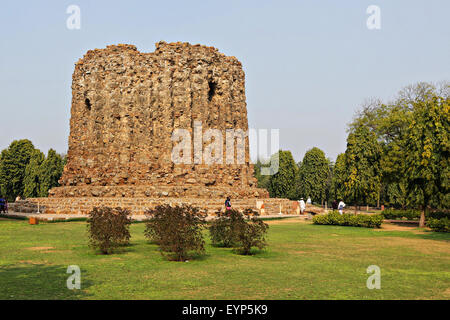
<point x="125" y="108"/>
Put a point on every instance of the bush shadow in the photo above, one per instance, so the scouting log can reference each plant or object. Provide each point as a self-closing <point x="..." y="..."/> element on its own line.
<point x="39" y="282"/>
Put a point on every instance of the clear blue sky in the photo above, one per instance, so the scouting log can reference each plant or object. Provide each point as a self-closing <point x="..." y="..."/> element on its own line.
<point x="308" y="64"/>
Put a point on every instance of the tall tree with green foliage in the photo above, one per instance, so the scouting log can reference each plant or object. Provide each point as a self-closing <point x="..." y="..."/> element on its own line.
<point x="427" y="149"/>
<point x="283" y="183"/>
<point x="14" y="161"/>
<point x="390" y="122"/>
<point x="263" y="180"/>
<point x="50" y="173"/>
<point x="313" y="175"/>
<point x="339" y="177"/>
<point x="362" y="163"/>
<point x="32" y="183"/>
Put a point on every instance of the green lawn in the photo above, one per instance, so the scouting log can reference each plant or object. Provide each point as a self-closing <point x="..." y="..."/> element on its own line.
<point x="302" y="261"/>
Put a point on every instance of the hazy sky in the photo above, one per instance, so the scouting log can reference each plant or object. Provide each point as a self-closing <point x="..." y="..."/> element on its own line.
<point x="308" y="64"/>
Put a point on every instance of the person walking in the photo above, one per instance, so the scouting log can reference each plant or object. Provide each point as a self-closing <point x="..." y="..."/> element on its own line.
<point x="227" y="204"/>
<point x="2" y="205"/>
<point x="341" y="207"/>
<point x="302" y="205"/>
<point x="334" y="205"/>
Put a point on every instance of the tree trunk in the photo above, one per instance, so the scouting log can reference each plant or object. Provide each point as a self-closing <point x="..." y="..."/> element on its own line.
<point x="422" y="218"/>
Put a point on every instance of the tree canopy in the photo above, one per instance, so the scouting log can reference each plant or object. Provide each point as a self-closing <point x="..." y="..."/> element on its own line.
<point x="313" y="174"/>
<point x="25" y="171"/>
<point x="282" y="183"/>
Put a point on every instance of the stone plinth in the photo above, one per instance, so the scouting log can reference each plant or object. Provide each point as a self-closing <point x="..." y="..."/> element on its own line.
<point x="138" y="206"/>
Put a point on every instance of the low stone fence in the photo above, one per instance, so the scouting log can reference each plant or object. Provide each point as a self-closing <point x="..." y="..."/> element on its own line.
<point x="138" y="206"/>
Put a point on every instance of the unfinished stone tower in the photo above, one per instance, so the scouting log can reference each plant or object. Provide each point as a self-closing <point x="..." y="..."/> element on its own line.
<point x="125" y="108"/>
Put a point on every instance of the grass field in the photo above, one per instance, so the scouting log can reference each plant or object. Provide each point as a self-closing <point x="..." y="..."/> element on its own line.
<point x="302" y="261"/>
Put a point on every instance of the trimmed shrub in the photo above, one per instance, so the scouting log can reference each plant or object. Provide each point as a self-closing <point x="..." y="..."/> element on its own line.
<point x="177" y="230"/>
<point x="408" y="214"/>
<point x="439" y="225"/>
<point x="250" y="232"/>
<point x="438" y="215"/>
<point x="242" y="231"/>
<point x="108" y="228"/>
<point x="223" y="229"/>
<point x="362" y="220"/>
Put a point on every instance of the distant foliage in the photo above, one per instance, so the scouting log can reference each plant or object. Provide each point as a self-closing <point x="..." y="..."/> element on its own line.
<point x="177" y="230"/>
<point x="282" y="183"/>
<point x="413" y="131"/>
<point x="362" y="163"/>
<point x="362" y="220"/>
<point x="50" y="172"/>
<point x="409" y="214"/>
<point x="263" y="180"/>
<point x="412" y="214"/>
<point x="25" y="171"/>
<point x="108" y="228"/>
<point x="313" y="174"/>
<point x="439" y="225"/>
<point x="13" y="162"/>
<point x="32" y="180"/>
<point x="338" y="178"/>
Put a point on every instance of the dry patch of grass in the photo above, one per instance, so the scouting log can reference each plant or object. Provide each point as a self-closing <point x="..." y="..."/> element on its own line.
<point x="40" y="248"/>
<point x="284" y="221"/>
<point x="42" y="262"/>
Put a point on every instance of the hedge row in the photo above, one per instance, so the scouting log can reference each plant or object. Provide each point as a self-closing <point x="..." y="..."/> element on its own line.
<point x="412" y="214"/>
<point x="362" y="220"/>
<point x="439" y="225"/>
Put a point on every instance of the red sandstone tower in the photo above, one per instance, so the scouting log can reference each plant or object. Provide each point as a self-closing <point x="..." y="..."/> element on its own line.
<point x="126" y="106"/>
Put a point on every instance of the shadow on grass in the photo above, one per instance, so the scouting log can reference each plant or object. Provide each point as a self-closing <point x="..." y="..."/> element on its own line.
<point x="433" y="235"/>
<point x="39" y="282"/>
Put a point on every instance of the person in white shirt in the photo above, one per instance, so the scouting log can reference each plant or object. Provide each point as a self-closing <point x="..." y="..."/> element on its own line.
<point x="341" y="206"/>
<point x="302" y="205"/>
<point x="309" y="200"/>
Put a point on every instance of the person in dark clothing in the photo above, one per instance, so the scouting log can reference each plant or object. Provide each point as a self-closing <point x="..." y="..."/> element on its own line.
<point x="334" y="205"/>
<point x="2" y="205"/>
<point x="228" y="204"/>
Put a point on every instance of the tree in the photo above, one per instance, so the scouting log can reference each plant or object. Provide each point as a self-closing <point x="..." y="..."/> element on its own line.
<point x="32" y="183"/>
<point x="313" y="175"/>
<point x="329" y="190"/>
<point x="14" y="161"/>
<point x="263" y="180"/>
<point x="427" y="148"/>
<point x="390" y="123"/>
<point x="50" y="173"/>
<point x="282" y="183"/>
<point x="362" y="163"/>
<point x="339" y="177"/>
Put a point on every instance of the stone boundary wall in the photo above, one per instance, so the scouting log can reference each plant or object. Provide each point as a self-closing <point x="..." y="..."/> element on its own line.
<point x="266" y="206"/>
<point x="158" y="191"/>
